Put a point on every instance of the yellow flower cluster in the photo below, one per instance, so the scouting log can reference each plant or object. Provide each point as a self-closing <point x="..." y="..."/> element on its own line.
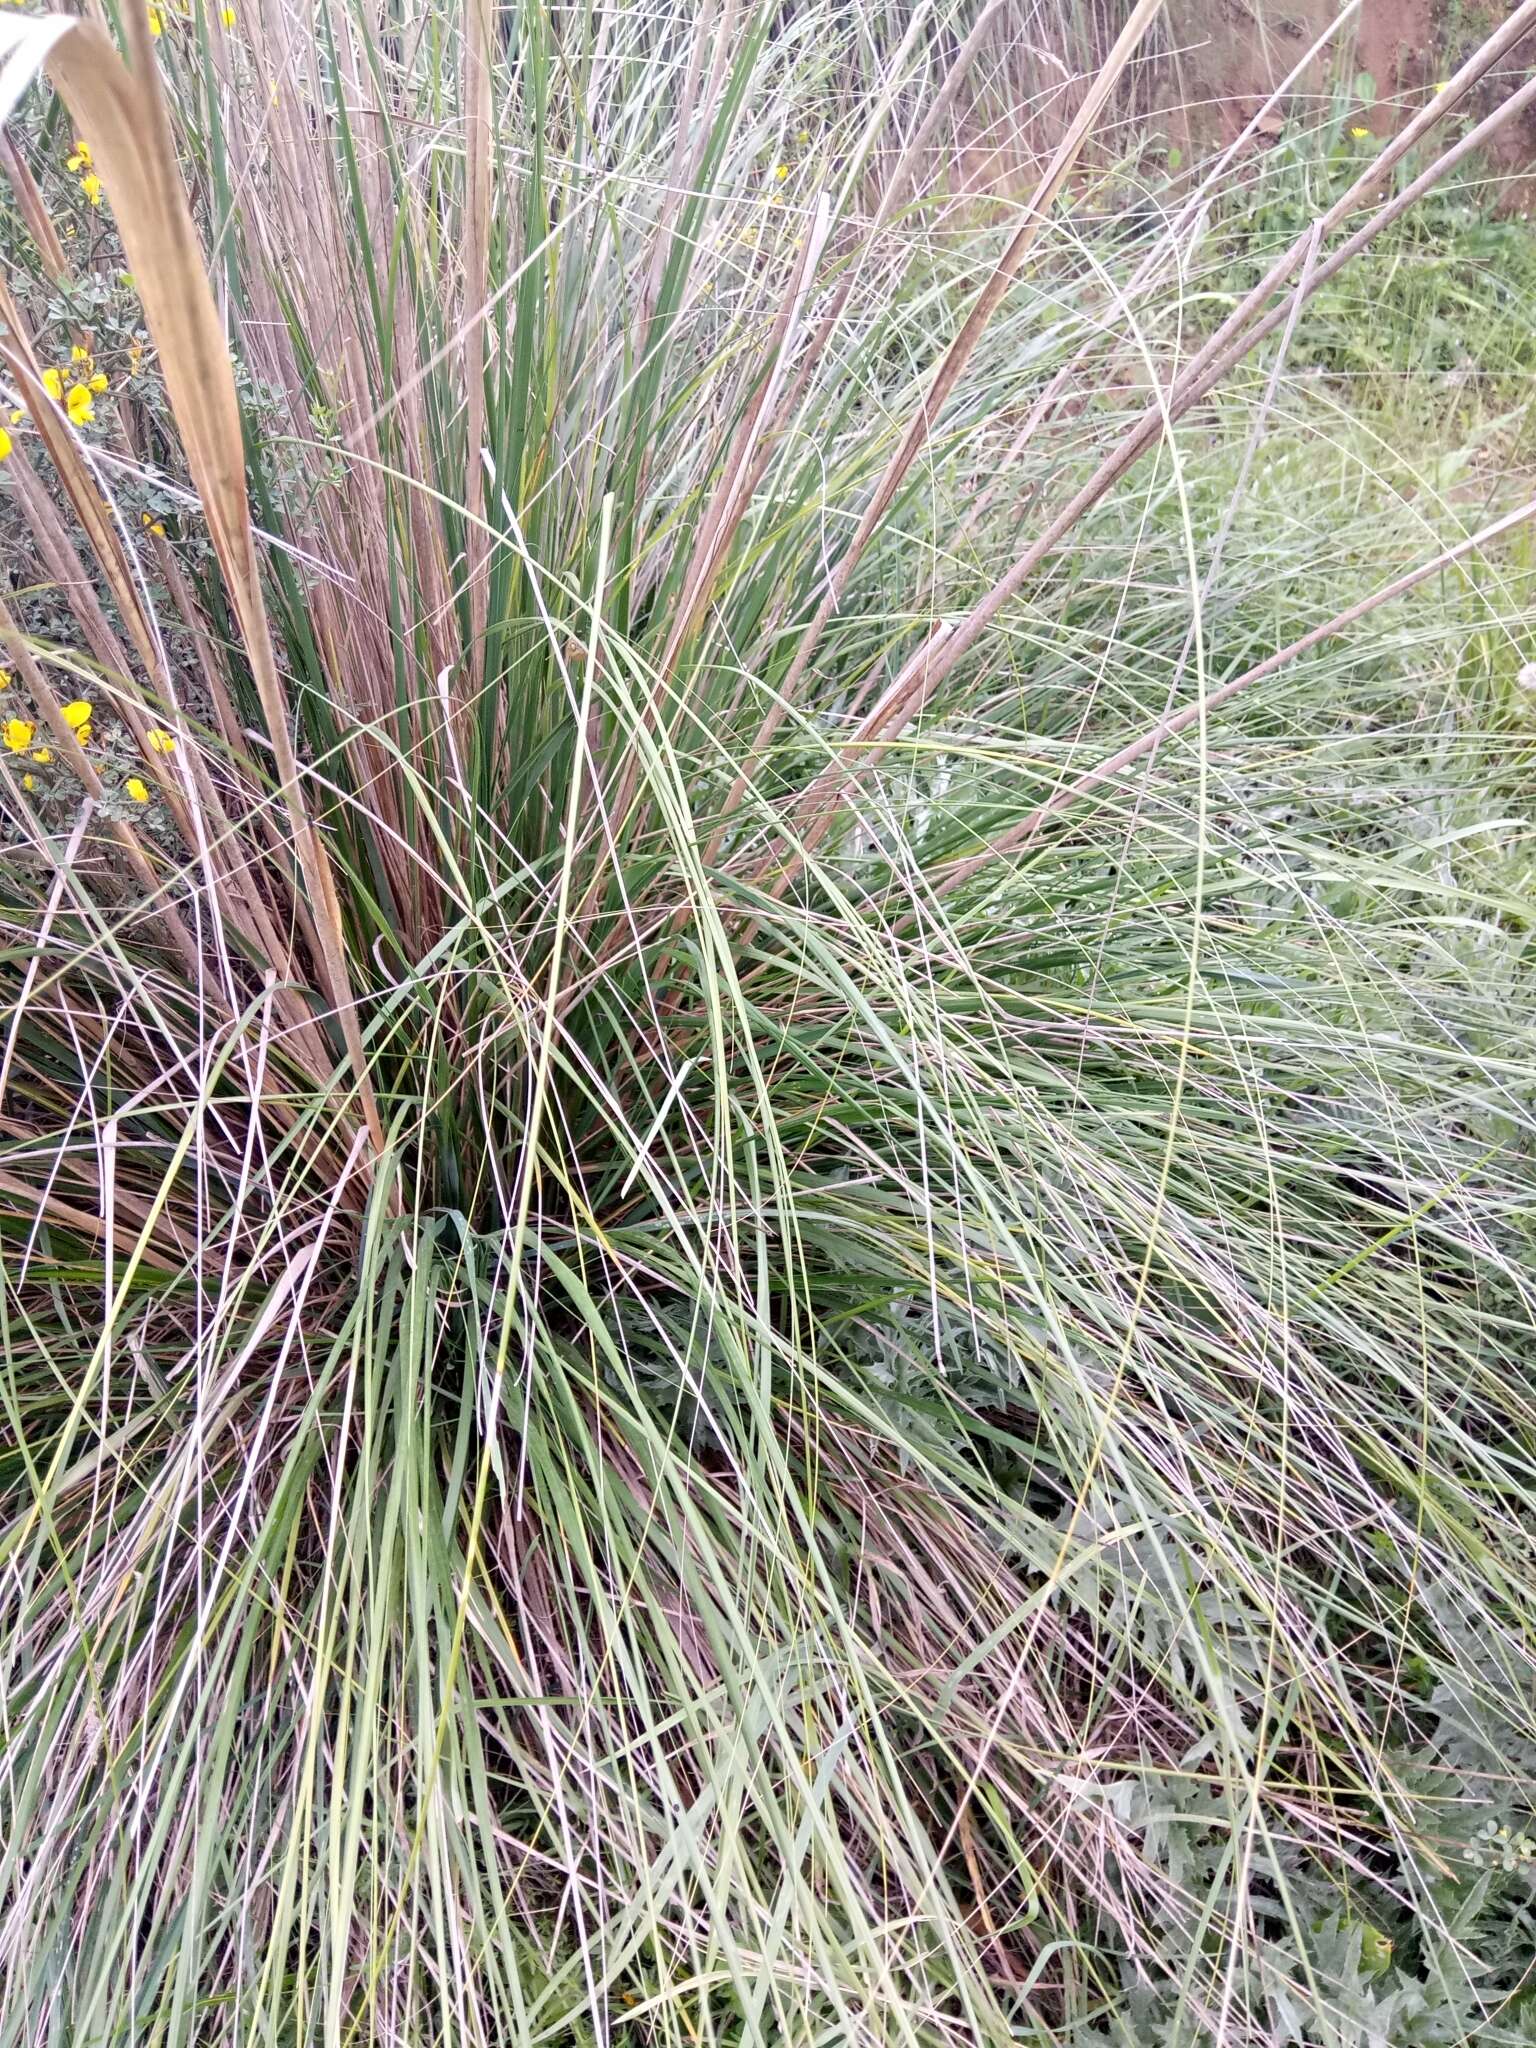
<point x="76" y="389"/>
<point x="79" y="161"/>
<point x="157" y="17"/>
<point x="88" y="383"/>
<point x="17" y="734"/>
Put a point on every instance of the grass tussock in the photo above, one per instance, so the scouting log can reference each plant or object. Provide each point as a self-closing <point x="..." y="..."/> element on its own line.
<point x="766" y="1072"/>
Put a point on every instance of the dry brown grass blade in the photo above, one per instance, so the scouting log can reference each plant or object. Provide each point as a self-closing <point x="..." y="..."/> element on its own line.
<point x="121" y="114"/>
<point x="31" y="1205"/>
<point x="478" y="142"/>
<point x="33" y="211"/>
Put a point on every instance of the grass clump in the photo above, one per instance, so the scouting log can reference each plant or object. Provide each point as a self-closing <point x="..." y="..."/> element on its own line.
<point x="706" y="1339"/>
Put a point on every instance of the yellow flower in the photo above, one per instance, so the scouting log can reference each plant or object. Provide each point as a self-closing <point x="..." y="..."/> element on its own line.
<point x="781" y="172"/>
<point x="159" y="741"/>
<point x="29" y="781"/>
<point x="76" y="715"/>
<point x="53" y="384"/>
<point x="228" y="17"/>
<point x="151" y="525"/>
<point x="99" y="381"/>
<point x="17" y="415"/>
<point x="18" y="734"/>
<point x="81" y="159"/>
<point x="156" y="22"/>
<point x="803" y="135"/>
<point x="1442" y="85"/>
<point x="5" y="444"/>
<point x="137" y="789"/>
<point x="79" y="355"/>
<point x="81" y="406"/>
<point x="1360" y="134"/>
<point x="90" y="185"/>
<point x="43" y="755"/>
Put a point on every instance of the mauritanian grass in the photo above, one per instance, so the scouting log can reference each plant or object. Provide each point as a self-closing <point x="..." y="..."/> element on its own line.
<point x="766" y="1080"/>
